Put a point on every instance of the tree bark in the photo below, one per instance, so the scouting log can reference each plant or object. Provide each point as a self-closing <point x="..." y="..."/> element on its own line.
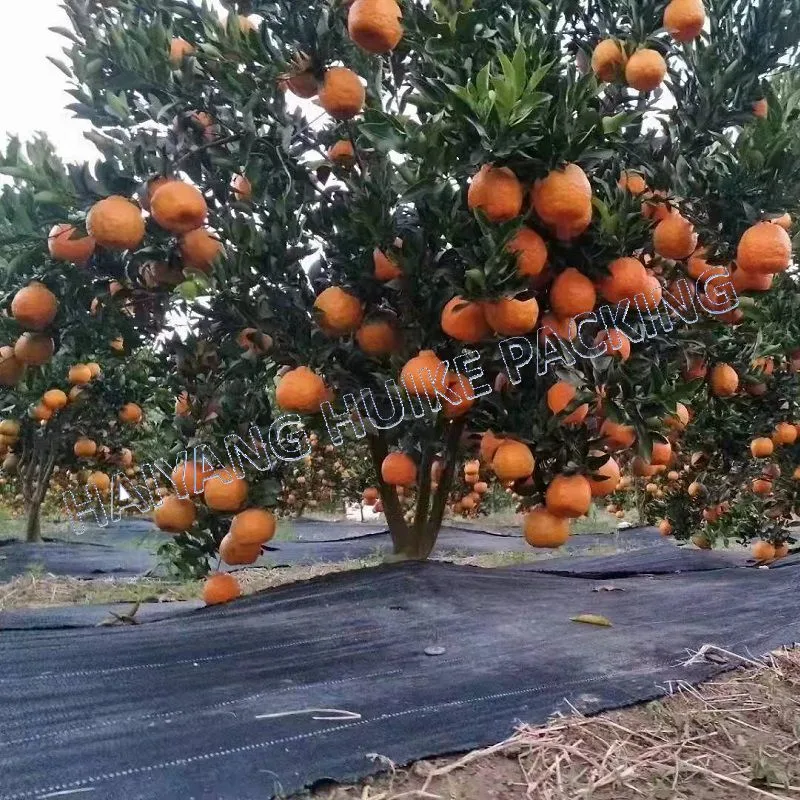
<point x="392" y="510"/>
<point x="417" y="542"/>
<point x="33" y="527"/>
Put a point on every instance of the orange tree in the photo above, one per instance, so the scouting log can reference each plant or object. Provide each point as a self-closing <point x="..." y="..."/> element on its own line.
<point x="465" y="175"/>
<point x="72" y="389"/>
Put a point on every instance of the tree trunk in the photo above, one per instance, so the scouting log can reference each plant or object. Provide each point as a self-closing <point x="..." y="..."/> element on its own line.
<point x="416" y="542"/>
<point x="33" y="527"/>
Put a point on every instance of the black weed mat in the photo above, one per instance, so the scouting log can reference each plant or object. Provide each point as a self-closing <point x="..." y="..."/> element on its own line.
<point x="309" y="682"/>
<point x="127" y="549"/>
<point x="76" y="559"/>
<point x="91" y="615"/>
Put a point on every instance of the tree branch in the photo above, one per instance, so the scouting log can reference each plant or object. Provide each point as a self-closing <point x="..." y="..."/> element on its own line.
<point x="398" y="529"/>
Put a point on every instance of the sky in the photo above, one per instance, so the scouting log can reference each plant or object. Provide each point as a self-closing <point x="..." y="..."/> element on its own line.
<point x="32" y="90"/>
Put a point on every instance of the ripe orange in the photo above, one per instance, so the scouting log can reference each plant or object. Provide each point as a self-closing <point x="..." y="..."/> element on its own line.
<point x="564" y="327"/>
<point x="751" y="281"/>
<point x="675" y="238"/>
<point x="661" y="453"/>
<point x="481" y="487"/>
<point x="399" y="469"/>
<point x="220" y="587"/>
<point x="150" y="188"/>
<point x="464" y="320"/>
<point x="174" y="515"/>
<point x="763" y="551"/>
<point x="255" y="341"/>
<point x="665" y="527"/>
<point x="513" y="461"/>
<point x="488" y="446"/>
<point x="116" y="223"/>
<point x="572" y="293"/>
<point x="41" y="412"/>
<point x="199" y="248"/>
<point x="645" y="70"/>
<point x="543" y="529"/>
<point x="79" y="374"/>
<point x="511" y="317"/>
<point x="340" y="313"/>
<point x="34" y="349"/>
<point x="178" y="50"/>
<point x="189" y="477"/>
<point x="64" y="245"/>
<point x="233" y="553"/>
<point x="131" y="414"/>
<point x="680" y="419"/>
<point x="100" y="481"/>
<point x="423" y="374"/>
<point x="563" y="201"/>
<point x="242" y="188"/>
<point x="761" y="447"/>
<point x="609" y="481"/>
<point x="724" y="380"/>
<point x="608" y="60"/>
<point x="632" y="182"/>
<point x="559" y="396"/>
<point x="781" y="550"/>
<point x="497" y="192"/>
<point x="618" y="345"/>
<point x="377" y="337"/>
<point x="764" y="248"/>
<point x="300" y="390"/>
<point x="627" y="277"/>
<point x="786" y="433"/>
<point x="530" y="250"/>
<point x="303" y="84"/>
<point x="684" y="19"/>
<point x="568" y="496"/>
<point x="342" y="94"/>
<point x="761" y="486"/>
<point x="617" y="436"/>
<point x="761" y="108"/>
<point x="223" y="491"/>
<point x="55" y="399"/>
<point x="255" y="526"/>
<point x="178" y="207"/>
<point x="653" y="207"/>
<point x="342" y="153"/>
<point x="369" y="496"/>
<point x="386" y="268"/>
<point x="34" y="306"/>
<point x="784" y="221"/>
<point x="461" y="388"/>
<point x="374" y="25"/>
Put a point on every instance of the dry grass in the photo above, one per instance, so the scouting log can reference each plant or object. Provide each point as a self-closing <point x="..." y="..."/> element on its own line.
<point x="736" y="737"/>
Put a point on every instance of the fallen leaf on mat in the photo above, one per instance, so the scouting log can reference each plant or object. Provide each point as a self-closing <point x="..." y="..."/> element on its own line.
<point x="607" y="587"/>
<point x="592" y="619"/>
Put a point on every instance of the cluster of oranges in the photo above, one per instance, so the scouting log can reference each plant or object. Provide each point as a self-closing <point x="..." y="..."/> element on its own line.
<point x="645" y="68"/>
<point x="222" y="491"/>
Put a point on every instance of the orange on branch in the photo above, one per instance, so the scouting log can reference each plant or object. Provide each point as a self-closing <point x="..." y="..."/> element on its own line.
<point x="608" y="60"/>
<point x="464" y="320"/>
<point x="342" y="94"/>
<point x="34" y="306"/>
<point x="572" y="293"/>
<point x="34" y="349"/>
<point x="178" y="207"/>
<point x="530" y="250"/>
<point x="399" y="469"/>
<point x="511" y="317"/>
<point x="340" y="312"/>
<point x="116" y="223"/>
<point x="255" y="526"/>
<point x="199" y="249"/>
<point x="563" y="201"/>
<point x="764" y="248"/>
<point x="300" y="390"/>
<point x="220" y="587"/>
<point x="568" y="496"/>
<point x="543" y="529"/>
<point x="64" y="245"/>
<point x="374" y="25"/>
<point x="497" y="192"/>
<point x="645" y="70"/>
<point x="174" y="515"/>
<point x="513" y="461"/>
<point x="224" y="491"/>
